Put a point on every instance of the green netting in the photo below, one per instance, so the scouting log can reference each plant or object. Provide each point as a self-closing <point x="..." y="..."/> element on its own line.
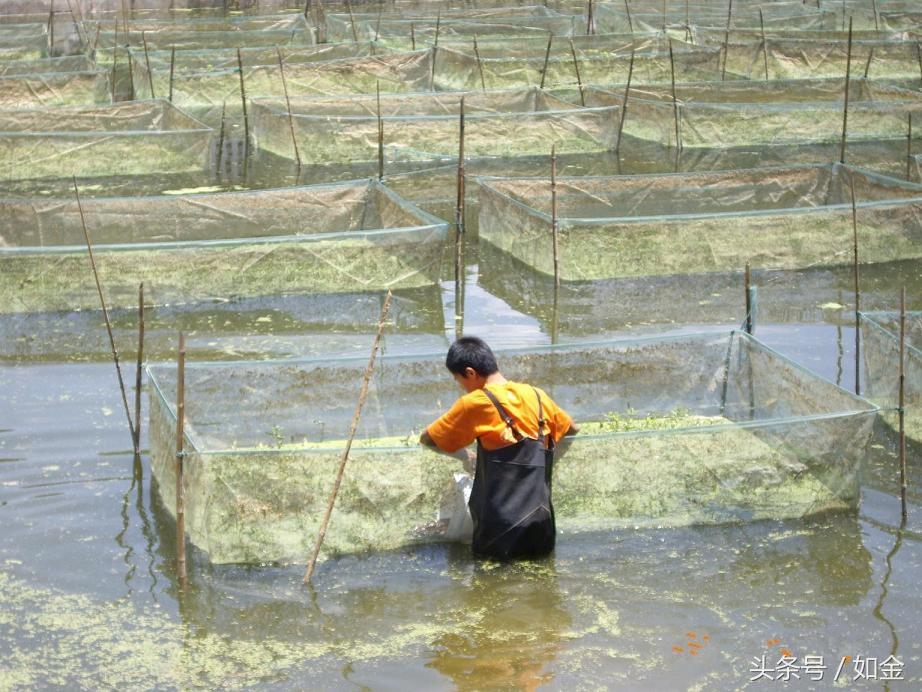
<point x="323" y="238"/>
<point x="124" y="139"/>
<point x="205" y="84"/>
<point x="751" y="121"/>
<point x="66" y="81"/>
<point x="600" y="60"/>
<point x="692" y="429"/>
<point x="880" y="356"/>
<point x="775" y="218"/>
<point x="23" y="42"/>
<point x="425" y="126"/>
<point x="613" y="17"/>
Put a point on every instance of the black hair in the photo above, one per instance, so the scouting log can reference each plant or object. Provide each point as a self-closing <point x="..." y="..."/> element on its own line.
<point x="471" y="352"/>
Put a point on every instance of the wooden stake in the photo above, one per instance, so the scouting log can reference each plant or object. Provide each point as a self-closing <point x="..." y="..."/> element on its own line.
<point x="764" y="42"/>
<point x="554" y="230"/>
<point x="851" y="184"/>
<point x="909" y="148"/>
<point x="902" y="401"/>
<point x="243" y="100"/>
<point x="150" y="75"/>
<point x="579" y="81"/>
<point x="291" y="120"/>
<point x="355" y="35"/>
<point x="747" y="288"/>
<point x="172" y="69"/>
<point x="848" y="73"/>
<point x="180" y="454"/>
<point x="380" y="134"/>
<point x="483" y="83"/>
<point x="723" y="70"/>
<point x="627" y="94"/>
<point x="547" y="57"/>
<point x="137" y="379"/>
<point x="675" y="102"/>
<point x="363" y="393"/>
<point x="105" y="315"/>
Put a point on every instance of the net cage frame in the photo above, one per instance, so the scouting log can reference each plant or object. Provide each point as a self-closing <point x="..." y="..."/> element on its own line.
<point x="269" y="255"/>
<point x="880" y="366"/>
<point x="814" y="441"/>
<point x="162" y="139"/>
<point x="674" y="124"/>
<point x="345" y="129"/>
<point x="682" y="242"/>
<point x="26" y="41"/>
<point x="59" y="81"/>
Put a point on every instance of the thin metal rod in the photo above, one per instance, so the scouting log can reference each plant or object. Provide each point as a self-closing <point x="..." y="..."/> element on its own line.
<point x="483" y="82"/>
<point x="105" y="315"/>
<point x="547" y="57"/>
<point x="554" y="231"/>
<point x="902" y="402"/>
<point x="579" y="81"/>
<point x="764" y="42"/>
<point x="909" y="148"/>
<point x="243" y="100"/>
<point x="291" y="120"/>
<point x="857" y="285"/>
<point x="363" y="393"/>
<point x="627" y="94"/>
<point x="675" y="102"/>
<point x="172" y="69"/>
<point x="150" y="75"/>
<point x="137" y="379"/>
<point x="747" y="286"/>
<point x="723" y="69"/>
<point x="848" y="76"/>
<point x="180" y="454"/>
<point x="380" y="133"/>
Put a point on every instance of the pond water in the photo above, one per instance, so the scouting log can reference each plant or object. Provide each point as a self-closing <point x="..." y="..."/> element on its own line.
<point x="87" y="582"/>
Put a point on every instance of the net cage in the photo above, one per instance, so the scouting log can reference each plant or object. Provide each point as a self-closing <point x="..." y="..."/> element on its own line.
<point x="255" y="327"/>
<point x="64" y="81"/>
<point x="751" y="120"/>
<point x="430" y="27"/>
<point x="123" y="139"/>
<point x="674" y="431"/>
<point x="27" y="41"/>
<point x="570" y="62"/>
<point x="208" y="82"/>
<point x="420" y="127"/>
<point x="635" y="225"/>
<point x="330" y="238"/>
<point x="880" y="361"/>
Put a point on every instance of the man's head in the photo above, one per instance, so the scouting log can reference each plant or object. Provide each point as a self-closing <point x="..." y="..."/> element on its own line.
<point x="470" y="362"/>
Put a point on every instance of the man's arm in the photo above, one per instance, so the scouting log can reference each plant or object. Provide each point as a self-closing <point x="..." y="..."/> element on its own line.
<point x="464" y="455"/>
<point x="564" y="444"/>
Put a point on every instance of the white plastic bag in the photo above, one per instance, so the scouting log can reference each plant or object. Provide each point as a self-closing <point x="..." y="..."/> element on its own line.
<point x="460" y="526"/>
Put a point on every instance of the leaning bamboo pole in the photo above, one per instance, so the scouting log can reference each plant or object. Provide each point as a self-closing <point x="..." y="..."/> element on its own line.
<point x="675" y="101"/>
<point x="848" y="72"/>
<point x="902" y="403"/>
<point x="291" y="121"/>
<point x="483" y="83"/>
<point x="180" y="458"/>
<point x="363" y="393"/>
<point x="547" y="57"/>
<point x="627" y="94"/>
<point x="150" y="75"/>
<point x="243" y="100"/>
<point x="172" y="69"/>
<point x="380" y="133"/>
<point x="459" y="215"/>
<point x="137" y="380"/>
<point x="579" y="81"/>
<point x="857" y="287"/>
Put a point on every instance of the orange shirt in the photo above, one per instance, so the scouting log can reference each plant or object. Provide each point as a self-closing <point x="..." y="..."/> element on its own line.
<point x="474" y="416"/>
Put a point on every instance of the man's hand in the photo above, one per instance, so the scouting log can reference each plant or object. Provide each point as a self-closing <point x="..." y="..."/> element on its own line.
<point x="466" y="456"/>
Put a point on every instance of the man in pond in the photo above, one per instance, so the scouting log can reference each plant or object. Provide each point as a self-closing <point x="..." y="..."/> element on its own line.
<point x="516" y="427"/>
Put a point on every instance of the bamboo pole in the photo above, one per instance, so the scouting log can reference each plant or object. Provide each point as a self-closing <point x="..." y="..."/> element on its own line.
<point x="664" y="17"/>
<point x="630" y="22"/>
<point x="764" y="42"/>
<point x="547" y="57"/>
<point x="857" y="286"/>
<point x="137" y="380"/>
<point x="380" y="133"/>
<point x="355" y="35"/>
<point x="590" y="29"/>
<point x="579" y="81"/>
<point x="876" y="15"/>
<point x="172" y="69"/>
<point x="919" y="58"/>
<point x="554" y="230"/>
<point x="243" y="100"/>
<point x="848" y="72"/>
<point x="105" y="315"/>
<point x="902" y="402"/>
<point x="180" y="458"/>
<point x="867" y="65"/>
<point x="363" y="393"/>
<point x="723" y="69"/>
<point x="483" y="83"/>
<point x="412" y="36"/>
<point x="909" y="148"/>
<point x="378" y="22"/>
<point x="114" y="58"/>
<point x="96" y="40"/>
<point x="675" y="102"/>
<point x="459" y="212"/>
<point x="291" y="120"/>
<point x="219" y="156"/>
<point x="150" y="75"/>
<point x="130" y="73"/>
<point x="747" y="288"/>
<point x="438" y="27"/>
<point x="627" y="94"/>
<point x="51" y="30"/>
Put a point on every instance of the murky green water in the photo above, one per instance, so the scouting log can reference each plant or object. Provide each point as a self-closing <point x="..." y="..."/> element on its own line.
<point x="87" y="583"/>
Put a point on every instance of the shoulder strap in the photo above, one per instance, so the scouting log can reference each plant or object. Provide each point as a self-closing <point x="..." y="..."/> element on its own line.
<point x="507" y="419"/>
<point x="546" y="440"/>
